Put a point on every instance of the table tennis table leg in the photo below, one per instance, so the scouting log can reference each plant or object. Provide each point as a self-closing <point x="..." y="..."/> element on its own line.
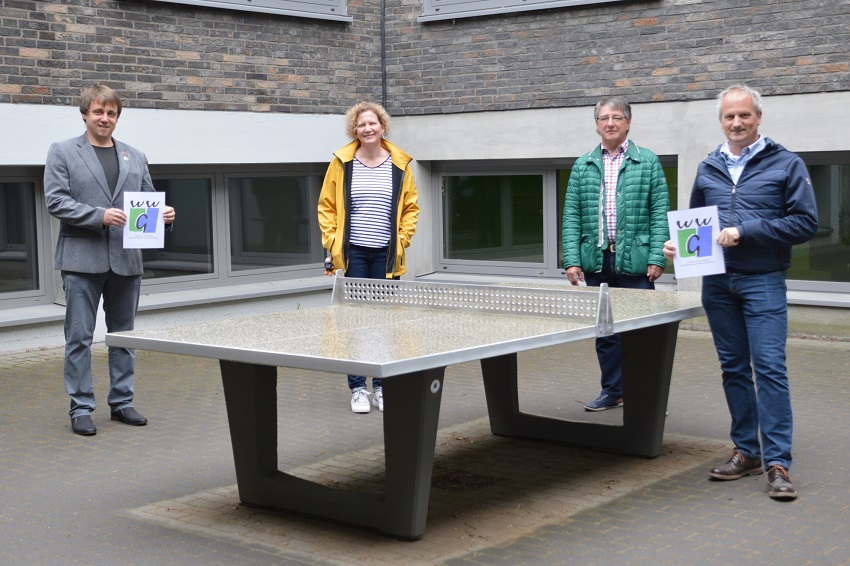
<point x="250" y="394"/>
<point x="410" y="434"/>
<point x="411" y="415"/>
<point x="647" y="356"/>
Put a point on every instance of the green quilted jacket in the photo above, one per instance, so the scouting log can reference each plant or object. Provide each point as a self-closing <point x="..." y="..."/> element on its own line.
<point x="642" y="205"/>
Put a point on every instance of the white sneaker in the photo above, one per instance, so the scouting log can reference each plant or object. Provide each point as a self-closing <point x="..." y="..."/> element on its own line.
<point x="378" y="399"/>
<point x="360" y="401"/>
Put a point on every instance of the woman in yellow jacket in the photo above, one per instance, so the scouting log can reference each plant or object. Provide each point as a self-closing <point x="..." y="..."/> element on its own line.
<point x="367" y="213"/>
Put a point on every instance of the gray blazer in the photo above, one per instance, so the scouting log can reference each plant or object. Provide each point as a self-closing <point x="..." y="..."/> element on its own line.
<point x="77" y="194"/>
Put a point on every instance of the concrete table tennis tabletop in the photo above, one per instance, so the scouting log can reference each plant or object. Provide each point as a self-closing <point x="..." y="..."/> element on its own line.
<point x="382" y="341"/>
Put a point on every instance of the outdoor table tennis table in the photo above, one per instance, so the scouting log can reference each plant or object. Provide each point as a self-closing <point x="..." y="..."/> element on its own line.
<point x="408" y="332"/>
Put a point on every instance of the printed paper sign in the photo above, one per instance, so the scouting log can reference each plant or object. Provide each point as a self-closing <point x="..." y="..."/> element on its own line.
<point x="145" y="226"/>
<point x="694" y="233"/>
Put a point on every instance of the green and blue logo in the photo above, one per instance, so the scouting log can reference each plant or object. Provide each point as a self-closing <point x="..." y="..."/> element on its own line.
<point x="143" y="216"/>
<point x="695" y="238"/>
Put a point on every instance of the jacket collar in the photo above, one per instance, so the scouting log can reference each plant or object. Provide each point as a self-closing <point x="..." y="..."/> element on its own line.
<point x="633" y="152"/>
<point x="400" y="157"/>
<point x="770" y="147"/>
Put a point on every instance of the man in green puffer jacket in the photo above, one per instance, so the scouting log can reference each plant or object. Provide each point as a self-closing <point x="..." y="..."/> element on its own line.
<point x="615" y="225"/>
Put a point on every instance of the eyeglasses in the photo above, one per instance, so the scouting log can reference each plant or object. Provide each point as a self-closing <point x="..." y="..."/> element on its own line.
<point x="616" y="119"/>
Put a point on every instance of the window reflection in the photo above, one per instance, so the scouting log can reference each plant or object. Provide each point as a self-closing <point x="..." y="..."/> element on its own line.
<point x="189" y="245"/>
<point x="18" y="252"/>
<point x="271" y="222"/>
<point x="494" y="218"/>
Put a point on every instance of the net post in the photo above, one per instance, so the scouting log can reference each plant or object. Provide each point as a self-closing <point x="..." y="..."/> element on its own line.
<point x="604" y="315"/>
<point x="337" y="293"/>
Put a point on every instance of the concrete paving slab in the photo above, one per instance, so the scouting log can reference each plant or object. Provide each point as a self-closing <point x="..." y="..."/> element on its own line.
<point x="485" y="490"/>
<point x="66" y="499"/>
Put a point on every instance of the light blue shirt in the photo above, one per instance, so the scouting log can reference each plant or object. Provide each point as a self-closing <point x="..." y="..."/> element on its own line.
<point x="735" y="163"/>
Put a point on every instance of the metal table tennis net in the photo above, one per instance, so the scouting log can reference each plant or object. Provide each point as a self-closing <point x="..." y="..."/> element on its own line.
<point x="580" y="303"/>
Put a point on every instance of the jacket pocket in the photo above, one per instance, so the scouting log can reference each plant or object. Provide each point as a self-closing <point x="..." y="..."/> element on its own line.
<point x="640" y="254"/>
<point x="398" y="268"/>
<point x="587" y="254"/>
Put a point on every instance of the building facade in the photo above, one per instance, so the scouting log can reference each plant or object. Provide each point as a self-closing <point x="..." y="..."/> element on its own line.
<point x="238" y="106"/>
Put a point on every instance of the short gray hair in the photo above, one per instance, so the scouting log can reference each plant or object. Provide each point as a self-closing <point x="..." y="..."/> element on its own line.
<point x="617" y="102"/>
<point x="753" y="93"/>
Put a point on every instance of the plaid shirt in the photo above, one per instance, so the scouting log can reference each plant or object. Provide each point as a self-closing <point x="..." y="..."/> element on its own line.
<point x="612" y="162"/>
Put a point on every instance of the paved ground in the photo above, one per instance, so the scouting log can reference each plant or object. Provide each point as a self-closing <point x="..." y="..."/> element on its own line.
<point x="165" y="493"/>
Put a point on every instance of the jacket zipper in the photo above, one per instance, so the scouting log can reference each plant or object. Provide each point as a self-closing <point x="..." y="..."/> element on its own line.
<point x="732" y="207"/>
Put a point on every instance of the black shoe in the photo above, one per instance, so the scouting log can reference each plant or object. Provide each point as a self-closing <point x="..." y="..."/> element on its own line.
<point x="779" y="484"/>
<point x="83" y="425"/>
<point x="129" y="416"/>
<point x="738" y="466"/>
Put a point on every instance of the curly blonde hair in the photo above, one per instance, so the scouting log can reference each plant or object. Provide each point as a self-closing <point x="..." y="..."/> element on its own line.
<point x="355" y="111"/>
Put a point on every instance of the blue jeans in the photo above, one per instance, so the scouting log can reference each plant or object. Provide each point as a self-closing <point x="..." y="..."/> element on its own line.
<point x="608" y="347"/>
<point x="366" y="263"/>
<point x="748" y="316"/>
<point x="83" y="292"/>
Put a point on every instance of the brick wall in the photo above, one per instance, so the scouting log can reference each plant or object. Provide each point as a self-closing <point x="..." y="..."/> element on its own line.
<point x="176" y="56"/>
<point x="647" y="51"/>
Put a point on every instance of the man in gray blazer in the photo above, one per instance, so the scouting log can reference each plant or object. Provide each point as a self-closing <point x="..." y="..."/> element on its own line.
<point x="84" y="183"/>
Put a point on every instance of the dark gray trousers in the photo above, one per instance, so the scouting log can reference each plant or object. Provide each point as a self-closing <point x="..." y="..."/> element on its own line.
<point x="83" y="292"/>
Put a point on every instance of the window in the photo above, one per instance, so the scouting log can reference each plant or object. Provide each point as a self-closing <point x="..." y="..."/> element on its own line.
<point x="509" y="223"/>
<point x="671" y="175"/>
<point x="826" y="257"/>
<point x="433" y="10"/>
<point x="500" y="222"/>
<point x="273" y="222"/>
<point x="496" y="217"/>
<point x="322" y="9"/>
<point x="189" y="246"/>
<point x="19" y="269"/>
<point x="236" y="224"/>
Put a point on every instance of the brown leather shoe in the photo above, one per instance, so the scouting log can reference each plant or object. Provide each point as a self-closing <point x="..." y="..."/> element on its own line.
<point x="738" y="466"/>
<point x="779" y="484"/>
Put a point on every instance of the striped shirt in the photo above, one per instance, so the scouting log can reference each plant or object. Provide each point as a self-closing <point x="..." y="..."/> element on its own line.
<point x="612" y="162"/>
<point x="371" y="204"/>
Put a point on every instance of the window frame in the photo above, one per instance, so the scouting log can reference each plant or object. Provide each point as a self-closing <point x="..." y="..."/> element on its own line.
<point x="550" y="168"/>
<point x="222" y="274"/>
<point x="154" y="284"/>
<point x="335" y="10"/>
<point x="44" y="247"/>
<point x="314" y="185"/>
<point x="547" y="169"/>
<point x="816" y="158"/>
<point x="436" y="10"/>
